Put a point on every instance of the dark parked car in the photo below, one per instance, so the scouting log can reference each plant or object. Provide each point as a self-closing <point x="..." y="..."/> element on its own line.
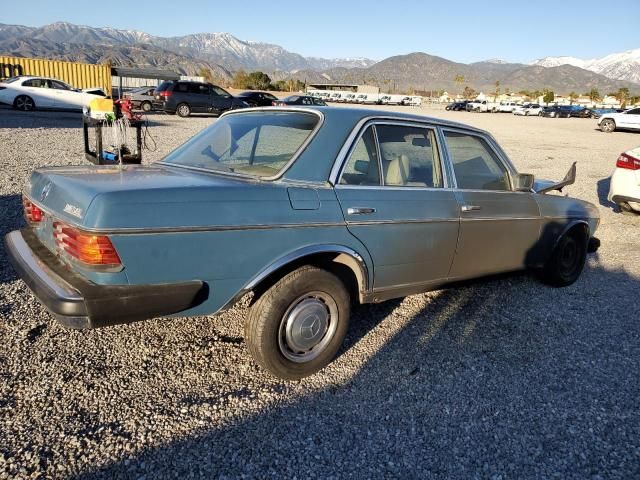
<point x="313" y="209"/>
<point x="457" y="106"/>
<point x="257" y="99"/>
<point x="141" y="98"/>
<point x="184" y="98"/>
<point x="300" y="100"/>
<point x="557" y="111"/>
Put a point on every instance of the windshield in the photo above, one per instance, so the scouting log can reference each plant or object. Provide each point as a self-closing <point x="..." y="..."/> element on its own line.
<point x="258" y="144"/>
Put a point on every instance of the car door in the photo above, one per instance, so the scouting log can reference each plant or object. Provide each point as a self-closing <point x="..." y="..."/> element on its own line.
<point x="499" y="227"/>
<point x="65" y="96"/>
<point x="632" y="118"/>
<point x="221" y="100"/>
<point x="397" y="201"/>
<point x="38" y="89"/>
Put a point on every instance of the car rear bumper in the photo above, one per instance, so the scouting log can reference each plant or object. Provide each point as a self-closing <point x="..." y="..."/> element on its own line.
<point x="625" y="187"/>
<point x="78" y="303"/>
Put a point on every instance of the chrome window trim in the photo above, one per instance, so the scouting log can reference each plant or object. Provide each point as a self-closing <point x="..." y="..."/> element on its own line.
<point x="347" y="149"/>
<point x="287" y="166"/>
<point x="492" y="144"/>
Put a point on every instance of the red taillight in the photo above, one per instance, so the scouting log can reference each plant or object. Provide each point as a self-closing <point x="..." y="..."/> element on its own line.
<point x="628" y="162"/>
<point x="164" y="93"/>
<point x="31" y="212"/>
<point x="90" y="249"/>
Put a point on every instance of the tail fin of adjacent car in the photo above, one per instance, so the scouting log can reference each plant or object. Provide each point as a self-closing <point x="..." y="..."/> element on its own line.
<point x="569" y="179"/>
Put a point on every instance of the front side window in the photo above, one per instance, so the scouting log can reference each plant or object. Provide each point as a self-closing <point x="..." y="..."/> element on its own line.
<point x="475" y="164"/>
<point x="59" y="85"/>
<point x="220" y="91"/>
<point x="256" y="144"/>
<point x="362" y="168"/>
<point x="409" y="156"/>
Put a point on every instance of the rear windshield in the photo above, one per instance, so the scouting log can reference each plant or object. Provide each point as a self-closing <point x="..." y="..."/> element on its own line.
<point x="257" y="144"/>
<point x="164" y="86"/>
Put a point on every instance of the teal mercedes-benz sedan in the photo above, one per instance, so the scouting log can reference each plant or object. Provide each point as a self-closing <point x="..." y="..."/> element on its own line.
<point x="312" y="209"/>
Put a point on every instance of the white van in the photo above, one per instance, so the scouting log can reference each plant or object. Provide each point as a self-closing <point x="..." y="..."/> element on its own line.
<point x="372" y="98"/>
<point x="350" y="97"/>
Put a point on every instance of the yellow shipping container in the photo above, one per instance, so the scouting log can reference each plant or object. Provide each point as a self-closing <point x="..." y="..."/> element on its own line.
<point x="78" y="75"/>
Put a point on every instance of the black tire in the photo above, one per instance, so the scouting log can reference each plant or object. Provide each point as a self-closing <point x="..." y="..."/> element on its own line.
<point x="608" y="125"/>
<point x="183" y="110"/>
<point x="273" y="327"/>
<point x="24" y="103"/>
<point x="146" y="106"/>
<point x="625" y="209"/>
<point x="567" y="260"/>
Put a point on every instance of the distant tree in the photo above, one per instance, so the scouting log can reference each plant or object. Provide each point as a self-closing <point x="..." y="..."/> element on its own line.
<point x="535" y="95"/>
<point x="622" y="95"/>
<point x="572" y="97"/>
<point x="525" y="93"/>
<point x="469" y="92"/>
<point x="459" y="80"/>
<point x="548" y="96"/>
<point x="259" y="80"/>
<point x="497" y="91"/>
<point x="241" y="80"/>
<point x="593" y="95"/>
<point x="635" y="100"/>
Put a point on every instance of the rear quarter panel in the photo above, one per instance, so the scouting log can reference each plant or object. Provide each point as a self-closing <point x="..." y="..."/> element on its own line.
<point x="237" y="247"/>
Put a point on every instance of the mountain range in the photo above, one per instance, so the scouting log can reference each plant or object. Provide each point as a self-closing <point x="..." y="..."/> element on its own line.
<point x="618" y="66"/>
<point x="223" y="54"/>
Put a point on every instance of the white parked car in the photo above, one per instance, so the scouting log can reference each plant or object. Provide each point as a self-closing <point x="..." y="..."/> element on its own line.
<point x="415" y="101"/>
<point x="28" y="93"/>
<point x="528" y="109"/>
<point x="388" y="99"/>
<point x="624" y="190"/>
<point x="482" y="106"/>
<point x="629" y="119"/>
<point x="507" y="107"/>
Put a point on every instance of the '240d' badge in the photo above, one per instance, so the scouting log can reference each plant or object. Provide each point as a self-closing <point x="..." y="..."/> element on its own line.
<point x="45" y="191"/>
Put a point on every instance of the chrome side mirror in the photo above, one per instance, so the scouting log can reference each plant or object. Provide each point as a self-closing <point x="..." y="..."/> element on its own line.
<point x="523" y="182"/>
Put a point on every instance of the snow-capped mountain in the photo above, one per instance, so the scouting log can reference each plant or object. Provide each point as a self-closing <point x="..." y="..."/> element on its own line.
<point x="617" y="66"/>
<point x="220" y="48"/>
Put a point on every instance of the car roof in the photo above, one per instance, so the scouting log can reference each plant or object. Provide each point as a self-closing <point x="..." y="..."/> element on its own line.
<point x="353" y="115"/>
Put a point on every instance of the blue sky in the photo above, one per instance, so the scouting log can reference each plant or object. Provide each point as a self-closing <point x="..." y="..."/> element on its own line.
<point x="461" y="30"/>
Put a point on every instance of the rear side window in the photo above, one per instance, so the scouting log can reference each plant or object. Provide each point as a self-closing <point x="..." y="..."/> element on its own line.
<point x="409" y="156"/>
<point x="362" y="168"/>
<point x="164" y="86"/>
<point x="475" y="164"/>
<point x="35" y="82"/>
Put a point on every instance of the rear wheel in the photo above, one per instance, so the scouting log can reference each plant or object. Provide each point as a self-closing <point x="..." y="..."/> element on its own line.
<point x="607" y="125"/>
<point x="297" y="326"/>
<point x="24" y="103"/>
<point x="183" y="110"/>
<point x="567" y="260"/>
<point x="626" y="209"/>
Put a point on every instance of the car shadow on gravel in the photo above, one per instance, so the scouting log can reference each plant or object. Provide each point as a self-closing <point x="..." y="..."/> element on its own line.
<point x="10" y="219"/>
<point x="603" y="187"/>
<point x="502" y="379"/>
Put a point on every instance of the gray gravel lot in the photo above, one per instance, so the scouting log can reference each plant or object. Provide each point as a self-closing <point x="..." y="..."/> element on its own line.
<point x="501" y="379"/>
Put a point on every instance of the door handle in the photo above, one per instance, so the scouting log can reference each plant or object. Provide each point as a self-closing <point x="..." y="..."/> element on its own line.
<point x="469" y="208"/>
<point x="360" y="210"/>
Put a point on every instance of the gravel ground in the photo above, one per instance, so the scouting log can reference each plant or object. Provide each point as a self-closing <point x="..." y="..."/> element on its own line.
<point x="501" y="379"/>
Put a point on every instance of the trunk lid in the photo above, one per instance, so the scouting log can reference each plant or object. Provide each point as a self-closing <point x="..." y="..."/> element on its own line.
<point x="146" y="196"/>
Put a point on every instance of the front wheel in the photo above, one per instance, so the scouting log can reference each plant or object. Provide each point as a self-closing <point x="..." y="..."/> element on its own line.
<point x="297" y="326"/>
<point x="183" y="110"/>
<point x="567" y="260"/>
<point x="607" y="125"/>
<point x="146" y="106"/>
<point x="24" y="103"/>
